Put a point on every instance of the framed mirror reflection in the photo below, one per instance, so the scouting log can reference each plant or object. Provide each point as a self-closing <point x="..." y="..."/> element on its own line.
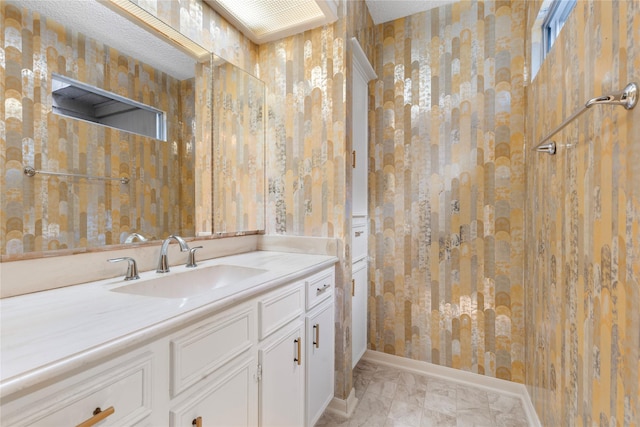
<point x="129" y="53"/>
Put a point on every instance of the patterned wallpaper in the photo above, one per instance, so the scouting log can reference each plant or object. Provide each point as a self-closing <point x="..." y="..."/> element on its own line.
<point x="48" y="213"/>
<point x="305" y="154"/>
<point x="583" y="238"/>
<point x="203" y="25"/>
<point x="238" y="150"/>
<point x="308" y="175"/>
<point x="447" y="188"/>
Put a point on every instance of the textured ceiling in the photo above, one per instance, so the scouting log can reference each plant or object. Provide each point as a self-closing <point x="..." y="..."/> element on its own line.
<point x="388" y="10"/>
<point x="101" y="23"/>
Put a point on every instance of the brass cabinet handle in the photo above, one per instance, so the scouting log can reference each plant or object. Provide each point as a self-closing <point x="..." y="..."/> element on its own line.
<point x="317" y="341"/>
<point x="98" y="415"/>
<point x="197" y="422"/>
<point x="353" y="159"/>
<point x="299" y="355"/>
<point x="322" y="289"/>
<point x="359" y="233"/>
<point x="353" y="287"/>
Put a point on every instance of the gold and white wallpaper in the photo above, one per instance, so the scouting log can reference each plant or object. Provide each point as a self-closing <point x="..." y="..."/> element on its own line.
<point x="47" y="213"/>
<point x="238" y="150"/>
<point x="308" y="171"/>
<point x="582" y="271"/>
<point x="305" y="154"/>
<point x="528" y="272"/>
<point x="446" y="188"/>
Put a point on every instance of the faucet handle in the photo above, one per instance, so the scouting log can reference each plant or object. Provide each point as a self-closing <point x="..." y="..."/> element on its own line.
<point x="192" y="257"/>
<point x="132" y="268"/>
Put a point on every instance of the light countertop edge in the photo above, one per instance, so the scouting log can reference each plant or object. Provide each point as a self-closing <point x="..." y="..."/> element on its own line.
<point x="90" y="355"/>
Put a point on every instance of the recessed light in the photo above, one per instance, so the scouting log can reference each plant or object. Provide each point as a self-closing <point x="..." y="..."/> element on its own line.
<point x="267" y="20"/>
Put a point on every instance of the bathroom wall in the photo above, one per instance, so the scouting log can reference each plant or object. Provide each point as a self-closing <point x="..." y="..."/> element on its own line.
<point x="199" y="22"/>
<point x="305" y="78"/>
<point x="446" y="187"/>
<point x="238" y="150"/>
<point x="203" y="25"/>
<point x="48" y="213"/>
<point x="308" y="173"/>
<point x="583" y="215"/>
<point x="77" y="215"/>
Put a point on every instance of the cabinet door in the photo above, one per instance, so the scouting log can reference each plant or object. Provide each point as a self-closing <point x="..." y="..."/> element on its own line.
<point x="359" y="312"/>
<point x="230" y="400"/>
<point x="281" y="392"/>
<point x="320" y="356"/>
<point x="360" y="124"/>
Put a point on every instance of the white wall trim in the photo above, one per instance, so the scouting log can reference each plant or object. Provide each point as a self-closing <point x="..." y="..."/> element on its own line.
<point x="361" y="62"/>
<point x="457" y="375"/>
<point x="344" y="407"/>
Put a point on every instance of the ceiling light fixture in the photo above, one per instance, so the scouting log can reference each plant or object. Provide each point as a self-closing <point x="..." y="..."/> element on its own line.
<point x="268" y="20"/>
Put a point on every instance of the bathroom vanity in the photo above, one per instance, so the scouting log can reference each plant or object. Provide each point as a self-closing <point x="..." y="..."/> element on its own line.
<point x="254" y="348"/>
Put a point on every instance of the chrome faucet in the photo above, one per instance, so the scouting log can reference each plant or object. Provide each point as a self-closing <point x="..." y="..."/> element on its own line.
<point x="163" y="263"/>
<point x="133" y="236"/>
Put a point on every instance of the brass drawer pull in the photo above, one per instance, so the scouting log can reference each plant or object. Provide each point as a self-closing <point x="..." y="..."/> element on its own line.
<point x="197" y="422"/>
<point x="317" y="329"/>
<point x="322" y="289"/>
<point x="98" y="415"/>
<point x="359" y="233"/>
<point x="299" y="358"/>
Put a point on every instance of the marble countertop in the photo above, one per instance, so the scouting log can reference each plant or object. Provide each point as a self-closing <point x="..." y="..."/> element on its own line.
<point x="46" y="334"/>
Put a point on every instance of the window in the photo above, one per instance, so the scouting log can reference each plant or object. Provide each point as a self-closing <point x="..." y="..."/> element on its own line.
<point x="81" y="101"/>
<point x="556" y="17"/>
<point x="551" y="17"/>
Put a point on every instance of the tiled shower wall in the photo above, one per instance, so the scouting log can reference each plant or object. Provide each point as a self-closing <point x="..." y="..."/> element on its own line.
<point x="583" y="214"/>
<point x="446" y="187"/>
<point x="48" y="213"/>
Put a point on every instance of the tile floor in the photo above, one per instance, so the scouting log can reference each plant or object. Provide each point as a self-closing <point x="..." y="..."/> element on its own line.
<point x="391" y="397"/>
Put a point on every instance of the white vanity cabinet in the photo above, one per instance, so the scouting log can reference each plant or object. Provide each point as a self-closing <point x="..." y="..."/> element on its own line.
<point x="320" y="344"/>
<point x="226" y="400"/>
<point x="117" y="393"/>
<point x="281" y="363"/>
<point x="282" y="378"/>
<point x="359" y="311"/>
<point x="266" y="360"/>
<point x="213" y="363"/>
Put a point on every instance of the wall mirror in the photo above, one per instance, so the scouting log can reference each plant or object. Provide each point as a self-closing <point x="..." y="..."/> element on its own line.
<point x="126" y="51"/>
<point x="238" y="150"/>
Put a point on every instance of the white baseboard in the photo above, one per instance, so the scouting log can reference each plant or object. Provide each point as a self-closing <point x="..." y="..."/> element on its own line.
<point x="457" y="375"/>
<point x="342" y="406"/>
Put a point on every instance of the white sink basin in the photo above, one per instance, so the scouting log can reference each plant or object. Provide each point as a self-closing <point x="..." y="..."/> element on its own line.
<point x="192" y="282"/>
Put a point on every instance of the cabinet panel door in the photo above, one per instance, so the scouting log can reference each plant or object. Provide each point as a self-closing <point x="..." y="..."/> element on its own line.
<point x="320" y="358"/>
<point x="124" y="386"/>
<point x="229" y="400"/>
<point x="199" y="351"/>
<point x="359" y="312"/>
<point x="281" y="393"/>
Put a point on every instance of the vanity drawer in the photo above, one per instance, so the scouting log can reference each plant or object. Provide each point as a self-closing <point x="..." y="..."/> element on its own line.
<point x="208" y="346"/>
<point x="125" y="388"/>
<point x="319" y="287"/>
<point x="279" y="309"/>
<point x="359" y="237"/>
